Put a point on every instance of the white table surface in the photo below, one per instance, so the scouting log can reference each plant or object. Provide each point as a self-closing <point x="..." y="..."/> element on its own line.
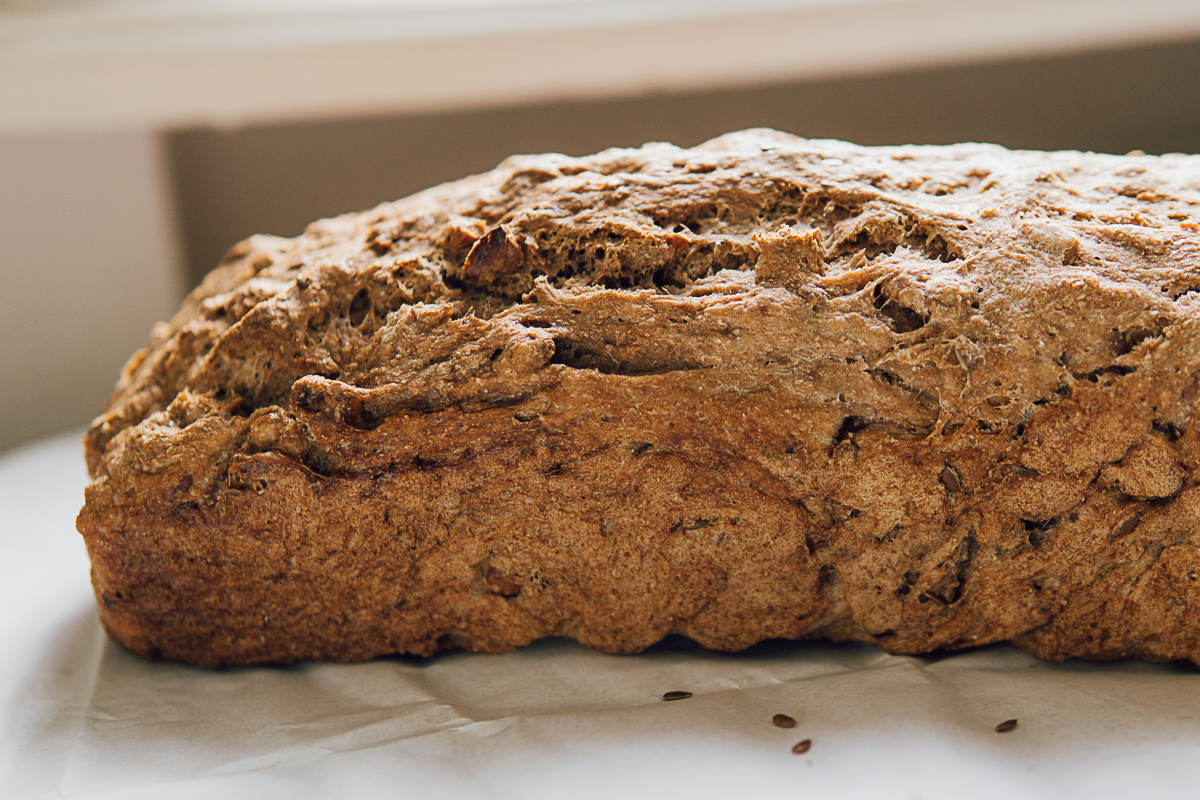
<point x="79" y="717"/>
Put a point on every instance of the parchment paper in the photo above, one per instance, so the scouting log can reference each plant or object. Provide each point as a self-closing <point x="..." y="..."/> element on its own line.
<point x="80" y="717"/>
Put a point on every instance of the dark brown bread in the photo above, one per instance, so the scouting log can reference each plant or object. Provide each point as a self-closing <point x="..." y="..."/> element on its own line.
<point x="928" y="397"/>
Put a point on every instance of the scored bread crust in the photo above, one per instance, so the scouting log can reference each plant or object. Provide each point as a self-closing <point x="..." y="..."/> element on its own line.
<point x="926" y="397"/>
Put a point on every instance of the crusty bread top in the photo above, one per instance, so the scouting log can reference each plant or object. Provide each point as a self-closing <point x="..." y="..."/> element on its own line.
<point x="955" y="265"/>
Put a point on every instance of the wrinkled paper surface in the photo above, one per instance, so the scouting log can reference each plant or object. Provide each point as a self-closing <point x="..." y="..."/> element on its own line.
<point x="80" y="717"/>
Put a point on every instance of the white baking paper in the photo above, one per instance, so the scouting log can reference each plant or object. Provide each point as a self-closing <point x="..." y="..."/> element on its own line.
<point x="82" y="718"/>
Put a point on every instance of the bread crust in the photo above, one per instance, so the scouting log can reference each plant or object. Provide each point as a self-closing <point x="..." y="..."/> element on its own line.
<point x="926" y="397"/>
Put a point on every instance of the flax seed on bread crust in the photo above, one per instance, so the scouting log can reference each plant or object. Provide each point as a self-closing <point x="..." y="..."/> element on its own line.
<point x="926" y="397"/>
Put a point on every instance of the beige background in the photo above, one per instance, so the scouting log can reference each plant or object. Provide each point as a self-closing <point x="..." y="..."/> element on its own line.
<point x="86" y="229"/>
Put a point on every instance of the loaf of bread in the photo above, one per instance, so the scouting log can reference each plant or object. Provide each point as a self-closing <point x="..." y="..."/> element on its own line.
<point x="926" y="397"/>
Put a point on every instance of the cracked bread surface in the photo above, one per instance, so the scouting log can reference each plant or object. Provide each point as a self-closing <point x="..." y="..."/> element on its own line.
<point x="926" y="397"/>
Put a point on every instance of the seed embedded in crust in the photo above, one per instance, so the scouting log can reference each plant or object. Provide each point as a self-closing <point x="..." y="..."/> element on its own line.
<point x="677" y="695"/>
<point x="1128" y="525"/>
<point x="783" y="721"/>
<point x="801" y="747"/>
<point x="950" y="480"/>
<point x="1006" y="726"/>
<point x="501" y="584"/>
<point x="495" y="254"/>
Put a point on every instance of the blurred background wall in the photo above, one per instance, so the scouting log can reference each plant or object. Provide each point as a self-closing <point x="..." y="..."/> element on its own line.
<point x="106" y="220"/>
<point x="89" y="259"/>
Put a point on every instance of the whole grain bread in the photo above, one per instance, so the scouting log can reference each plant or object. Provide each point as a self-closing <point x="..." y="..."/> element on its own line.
<point x="927" y="397"/>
